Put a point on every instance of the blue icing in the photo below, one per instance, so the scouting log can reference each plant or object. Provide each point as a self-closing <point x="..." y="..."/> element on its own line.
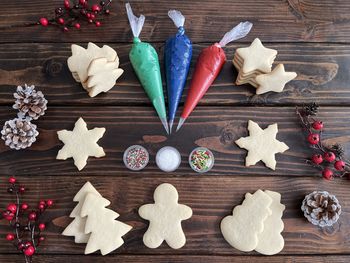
<point x="177" y="60"/>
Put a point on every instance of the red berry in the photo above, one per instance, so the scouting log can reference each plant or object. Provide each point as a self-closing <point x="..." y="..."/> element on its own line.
<point x="327" y="173"/>
<point x="12" y="208"/>
<point x="61" y="21"/>
<point x="24" y="206"/>
<point x="49" y="202"/>
<point x="88" y="15"/>
<point x="29" y="251"/>
<point x="82" y="2"/>
<point x="32" y="216"/>
<point x="98" y="23"/>
<point x="90" y="21"/>
<point x="65" y="29"/>
<point x="66" y="4"/>
<point x="10" y="237"/>
<point x="313" y="138"/>
<point x="96" y="8"/>
<point x="41" y="226"/>
<point x="20" y="246"/>
<point x="41" y="207"/>
<point x="107" y="11"/>
<point x="329" y="156"/>
<point x="339" y="165"/>
<point x="317" y="158"/>
<point x="12" y="180"/>
<point x="28" y="243"/>
<point x="43" y="21"/>
<point x="42" y="202"/>
<point x="22" y="189"/>
<point x="92" y="16"/>
<point x="41" y="238"/>
<point x="77" y="26"/>
<point x="8" y="215"/>
<point x="317" y="125"/>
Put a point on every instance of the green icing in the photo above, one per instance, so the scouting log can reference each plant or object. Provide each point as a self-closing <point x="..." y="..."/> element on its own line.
<point x="145" y="62"/>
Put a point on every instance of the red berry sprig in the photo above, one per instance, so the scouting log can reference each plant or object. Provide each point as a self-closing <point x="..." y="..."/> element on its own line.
<point x="74" y="13"/>
<point x="25" y="222"/>
<point x="328" y="159"/>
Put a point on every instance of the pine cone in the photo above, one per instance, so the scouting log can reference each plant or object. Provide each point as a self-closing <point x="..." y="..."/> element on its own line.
<point x="321" y="208"/>
<point x="29" y="102"/>
<point x="19" y="133"/>
<point x="310" y="109"/>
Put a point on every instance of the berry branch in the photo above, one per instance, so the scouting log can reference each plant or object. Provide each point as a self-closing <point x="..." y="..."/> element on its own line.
<point x="72" y="15"/>
<point x="27" y="229"/>
<point x="329" y="159"/>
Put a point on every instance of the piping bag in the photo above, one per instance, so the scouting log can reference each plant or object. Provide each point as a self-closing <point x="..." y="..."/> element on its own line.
<point x="208" y="67"/>
<point x="177" y="60"/>
<point x="144" y="60"/>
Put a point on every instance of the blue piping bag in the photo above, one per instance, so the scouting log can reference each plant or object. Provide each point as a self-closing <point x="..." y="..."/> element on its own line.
<point x="177" y="60"/>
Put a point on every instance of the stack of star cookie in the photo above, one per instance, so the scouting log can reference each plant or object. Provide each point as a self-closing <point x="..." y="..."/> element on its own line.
<point x="254" y="65"/>
<point x="97" y="69"/>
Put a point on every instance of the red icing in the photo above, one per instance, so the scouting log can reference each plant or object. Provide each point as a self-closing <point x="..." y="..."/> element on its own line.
<point x="208" y="67"/>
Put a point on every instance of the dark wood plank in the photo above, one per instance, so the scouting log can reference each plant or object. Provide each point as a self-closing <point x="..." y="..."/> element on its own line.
<point x="274" y="20"/>
<point x="214" y="127"/>
<point x="322" y="69"/>
<point x="210" y="198"/>
<point x="176" y="259"/>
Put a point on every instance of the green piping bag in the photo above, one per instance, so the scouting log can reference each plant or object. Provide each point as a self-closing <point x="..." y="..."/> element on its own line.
<point x="144" y="60"/>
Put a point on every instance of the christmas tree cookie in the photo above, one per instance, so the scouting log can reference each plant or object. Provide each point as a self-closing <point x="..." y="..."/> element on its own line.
<point x="105" y="232"/>
<point x="96" y="68"/>
<point x="95" y="224"/>
<point x="165" y="217"/>
<point x="77" y="227"/>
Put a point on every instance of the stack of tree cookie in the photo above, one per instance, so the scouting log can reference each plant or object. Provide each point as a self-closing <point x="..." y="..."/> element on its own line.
<point x="254" y="65"/>
<point x="96" y="68"/>
<point x="256" y="224"/>
<point x="95" y="224"/>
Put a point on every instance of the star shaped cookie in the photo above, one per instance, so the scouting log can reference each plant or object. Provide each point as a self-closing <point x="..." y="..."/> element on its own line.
<point x="275" y="80"/>
<point x="256" y="57"/>
<point x="80" y="143"/>
<point x="262" y="145"/>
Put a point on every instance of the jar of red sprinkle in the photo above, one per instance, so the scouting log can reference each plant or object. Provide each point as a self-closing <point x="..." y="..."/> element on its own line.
<point x="136" y="157"/>
<point x="201" y="160"/>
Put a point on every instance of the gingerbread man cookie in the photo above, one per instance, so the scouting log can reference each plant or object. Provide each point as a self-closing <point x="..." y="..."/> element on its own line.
<point x="165" y="217"/>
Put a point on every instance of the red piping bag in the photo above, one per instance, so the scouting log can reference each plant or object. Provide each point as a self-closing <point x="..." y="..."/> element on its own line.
<point x="208" y="67"/>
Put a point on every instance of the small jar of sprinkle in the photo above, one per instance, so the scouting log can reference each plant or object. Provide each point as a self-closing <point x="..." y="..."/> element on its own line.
<point x="168" y="159"/>
<point x="201" y="160"/>
<point x="136" y="157"/>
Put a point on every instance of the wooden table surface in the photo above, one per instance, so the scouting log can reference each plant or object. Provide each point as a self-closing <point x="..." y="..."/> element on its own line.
<point x="312" y="38"/>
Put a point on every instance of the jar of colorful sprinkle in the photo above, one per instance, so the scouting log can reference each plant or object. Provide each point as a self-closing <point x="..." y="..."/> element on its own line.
<point x="201" y="160"/>
<point x="136" y="157"/>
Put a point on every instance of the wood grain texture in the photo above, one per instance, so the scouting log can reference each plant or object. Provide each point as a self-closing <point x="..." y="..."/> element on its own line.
<point x="274" y="20"/>
<point x="210" y="198"/>
<point x="176" y="259"/>
<point x="323" y="76"/>
<point x="213" y="127"/>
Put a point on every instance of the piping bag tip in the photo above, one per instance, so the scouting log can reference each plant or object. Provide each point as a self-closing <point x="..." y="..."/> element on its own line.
<point x="181" y="122"/>
<point x="165" y="124"/>
<point x="171" y="122"/>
